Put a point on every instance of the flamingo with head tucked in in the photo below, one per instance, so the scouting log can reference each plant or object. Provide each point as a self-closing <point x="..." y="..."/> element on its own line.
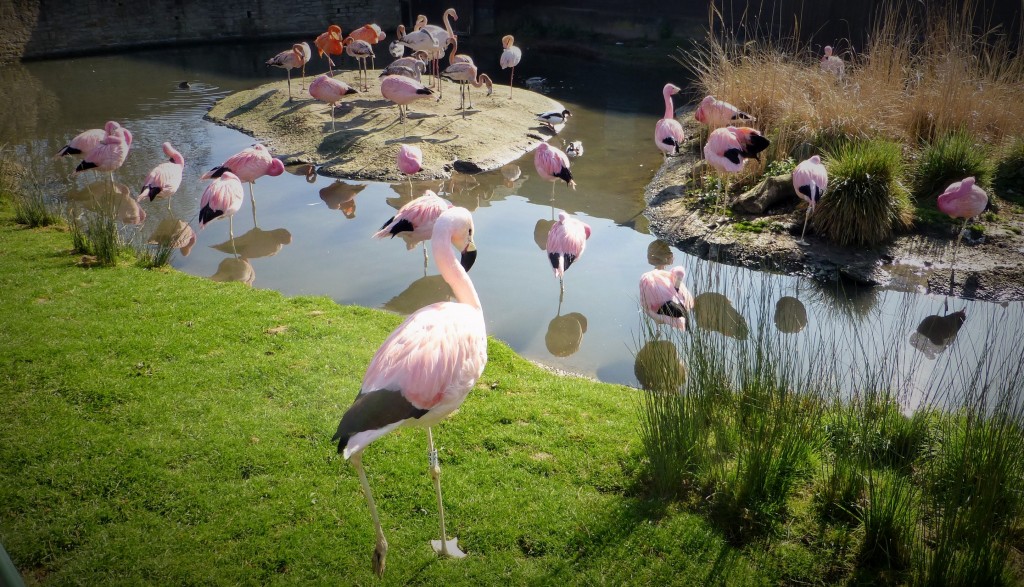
<point x="810" y="180"/>
<point x="403" y="91"/>
<point x="566" y="242"/>
<point x="510" y="57"/>
<point x="728" y="147"/>
<point x="329" y="43"/>
<point x="248" y="165"/>
<point x="414" y="222"/>
<point x="664" y="296"/>
<point x="668" y="133"/>
<point x="83" y="143"/>
<point x="423" y="372"/>
<point x="552" y="164"/>
<point x="962" y="199"/>
<point x="330" y="90"/>
<point x="222" y="198"/>
<point x="832" y="63"/>
<point x="410" y="161"/>
<point x="109" y="155"/>
<point x="718" y="113"/>
<point x="165" y="178"/>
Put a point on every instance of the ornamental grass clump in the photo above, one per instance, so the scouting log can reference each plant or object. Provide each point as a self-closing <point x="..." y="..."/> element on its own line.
<point x="1008" y="179"/>
<point x="951" y="158"/>
<point x="866" y="203"/>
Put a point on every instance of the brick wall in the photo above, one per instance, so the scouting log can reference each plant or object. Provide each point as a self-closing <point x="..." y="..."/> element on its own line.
<point x="51" y="28"/>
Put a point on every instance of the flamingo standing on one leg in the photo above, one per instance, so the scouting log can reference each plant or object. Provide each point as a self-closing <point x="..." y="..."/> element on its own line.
<point x="810" y="179"/>
<point x="423" y="372"/>
<point x="552" y="164"/>
<point x="962" y="199"/>
<point x="510" y="56"/>
<point x="329" y="43"/>
<point x="86" y="141"/>
<point x="466" y="74"/>
<point x="410" y="161"/>
<point x="441" y="35"/>
<point x="327" y="89"/>
<point x="361" y="51"/>
<point x="403" y="91"/>
<point x="668" y="133"/>
<point x="165" y="178"/>
<point x="248" y="165"/>
<point x="832" y="63"/>
<point x="414" y="222"/>
<point x="370" y="33"/>
<point x="718" y="113"/>
<point x="298" y="56"/>
<point x="221" y="199"/>
<point x="727" y="148"/>
<point x="109" y="155"/>
<point x="664" y="296"/>
<point x="567" y="240"/>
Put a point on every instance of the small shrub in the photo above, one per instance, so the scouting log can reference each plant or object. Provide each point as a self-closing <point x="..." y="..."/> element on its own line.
<point x="1008" y="180"/>
<point x="97" y="235"/>
<point x="951" y="158"/>
<point x="866" y="203"/>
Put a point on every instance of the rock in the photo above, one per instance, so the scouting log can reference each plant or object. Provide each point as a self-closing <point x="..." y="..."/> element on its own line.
<point x="767" y="194"/>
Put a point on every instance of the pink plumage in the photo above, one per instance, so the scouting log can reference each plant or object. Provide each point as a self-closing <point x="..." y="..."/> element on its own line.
<point x="553" y="164"/>
<point x="716" y="113"/>
<point x="248" y="165"/>
<point x="298" y="56"/>
<point x="664" y="296"/>
<point x="832" y="63"/>
<point x="723" y="150"/>
<point x="963" y="199"/>
<point x="165" y="178"/>
<point x="86" y="141"/>
<point x="402" y="91"/>
<point x="414" y="222"/>
<point x="330" y="90"/>
<point x="222" y="198"/>
<point x="111" y="152"/>
<point x="409" y="159"/>
<point x="668" y="133"/>
<point x="567" y="240"/>
<point x="810" y="180"/>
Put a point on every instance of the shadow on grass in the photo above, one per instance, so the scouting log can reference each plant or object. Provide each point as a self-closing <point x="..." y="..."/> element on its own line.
<point x="250" y="105"/>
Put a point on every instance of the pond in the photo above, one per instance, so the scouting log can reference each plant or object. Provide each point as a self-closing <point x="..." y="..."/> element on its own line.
<point x="313" y="238"/>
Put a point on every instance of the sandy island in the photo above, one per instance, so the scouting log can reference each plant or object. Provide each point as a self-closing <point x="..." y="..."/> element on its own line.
<point x="496" y="131"/>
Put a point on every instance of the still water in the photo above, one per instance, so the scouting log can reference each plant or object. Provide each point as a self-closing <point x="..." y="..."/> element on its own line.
<point x="313" y="238"/>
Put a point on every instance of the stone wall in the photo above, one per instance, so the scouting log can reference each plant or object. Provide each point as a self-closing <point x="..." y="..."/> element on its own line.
<point x="52" y="28"/>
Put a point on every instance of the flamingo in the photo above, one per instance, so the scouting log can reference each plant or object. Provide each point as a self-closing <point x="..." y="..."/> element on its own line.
<point x="297" y="56"/>
<point x="962" y="199"/>
<point x="466" y="74"/>
<point x="329" y="43"/>
<point x="456" y="57"/>
<point x="553" y="117"/>
<point x="423" y="372"/>
<point x="248" y="165"/>
<point x="370" y="33"/>
<point x="668" y="133"/>
<point x="329" y="90"/>
<point x="832" y="63"/>
<point x="165" y="178"/>
<point x="718" y="113"/>
<point x="414" y="221"/>
<point x="510" y="56"/>
<point x="410" y="161"/>
<point x="86" y="141"/>
<point x="810" y="179"/>
<point x="422" y="40"/>
<point x="567" y="240"/>
<point x="403" y="91"/>
<point x="361" y="50"/>
<point x="110" y="154"/>
<point x="411" y="67"/>
<point x="664" y="296"/>
<point x="728" y="147"/>
<point x="441" y="35"/>
<point x="221" y="199"/>
<point x="552" y="164"/>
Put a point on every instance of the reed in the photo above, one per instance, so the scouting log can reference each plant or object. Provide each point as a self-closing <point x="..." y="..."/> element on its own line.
<point x="24" y="183"/>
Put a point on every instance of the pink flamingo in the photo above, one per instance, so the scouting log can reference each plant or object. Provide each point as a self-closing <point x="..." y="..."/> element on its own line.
<point x="248" y="165"/>
<point x="221" y="199"/>
<point x="361" y="51"/>
<point x="810" y="180"/>
<point x="718" y="113"/>
<point x="298" y="56"/>
<point x="567" y="240"/>
<point x="329" y="90"/>
<point x="664" y="296"/>
<point x="668" y="133"/>
<point x="456" y="57"/>
<point x="728" y="147"/>
<point x="165" y="178"/>
<point x="110" y="154"/>
<point x="86" y="141"/>
<point x="413" y="66"/>
<point x="441" y="36"/>
<point x="410" y="161"/>
<point x="403" y="91"/>
<point x="832" y="63"/>
<point x="466" y="74"/>
<point x="422" y="372"/>
<point x="510" y="57"/>
<point x="552" y="164"/>
<point x="414" y="221"/>
<point x="962" y="199"/>
<point x="329" y="43"/>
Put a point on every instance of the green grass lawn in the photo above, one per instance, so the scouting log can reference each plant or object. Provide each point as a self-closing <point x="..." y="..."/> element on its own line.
<point x="165" y="429"/>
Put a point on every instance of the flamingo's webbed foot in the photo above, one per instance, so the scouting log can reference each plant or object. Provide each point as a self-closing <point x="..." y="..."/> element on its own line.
<point x="448" y="548"/>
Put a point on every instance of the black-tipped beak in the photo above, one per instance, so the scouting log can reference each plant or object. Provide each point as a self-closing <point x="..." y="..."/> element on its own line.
<point x="468" y="257"/>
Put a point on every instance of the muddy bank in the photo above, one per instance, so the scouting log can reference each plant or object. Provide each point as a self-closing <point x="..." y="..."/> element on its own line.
<point x="988" y="267"/>
<point x="367" y="134"/>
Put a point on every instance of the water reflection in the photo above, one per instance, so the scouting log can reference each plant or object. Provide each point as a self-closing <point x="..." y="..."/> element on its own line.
<point x="714" y="311"/>
<point x="935" y="333"/>
<point x="426" y="290"/>
<point x="174" y="233"/>
<point x="565" y="333"/>
<point x="461" y="189"/>
<point x="659" y="254"/>
<point x="341" y="195"/>
<point x="235" y="269"/>
<point x="658" y="367"/>
<point x="790" y="315"/>
<point x="256" y="243"/>
<point x="306" y="170"/>
<point x="111" y="199"/>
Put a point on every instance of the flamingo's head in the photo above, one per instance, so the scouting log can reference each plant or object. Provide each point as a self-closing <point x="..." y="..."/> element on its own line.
<point x="111" y="126"/>
<point x="400" y="32"/>
<point x="507" y="41"/>
<point x="678" y="275"/>
<point x="486" y="79"/>
<point x="276" y="168"/>
<point x="671" y="89"/>
<point x="816" y="159"/>
<point x="334" y="31"/>
<point x="421" y="21"/>
<point x="828" y="51"/>
<point x="451" y="12"/>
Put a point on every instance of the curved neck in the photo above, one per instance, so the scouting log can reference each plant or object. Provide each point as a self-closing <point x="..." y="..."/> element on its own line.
<point x="448" y="24"/>
<point x="668" y="105"/>
<point x="452" y="271"/>
<point x="455" y="48"/>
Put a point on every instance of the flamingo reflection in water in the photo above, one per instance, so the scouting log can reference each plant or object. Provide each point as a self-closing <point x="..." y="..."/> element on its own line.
<point x="174" y="233"/>
<point x="565" y="333"/>
<point x="658" y="367"/>
<point x="936" y="333"/>
<point x="114" y="201"/>
<point x="342" y="196"/>
<point x="714" y="311"/>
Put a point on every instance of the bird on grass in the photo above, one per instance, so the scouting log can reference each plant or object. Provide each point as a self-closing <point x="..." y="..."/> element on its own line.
<point x="109" y="155"/>
<point x="248" y="165"/>
<point x="554" y="117"/>
<point x="567" y="240"/>
<point x="664" y="296"/>
<point x="423" y="372"/>
<point x="222" y="198"/>
<point x="668" y="133"/>
<point x="552" y="164"/>
<point x="329" y="90"/>
<point x="298" y="56"/>
<point x="810" y="179"/>
<point x="403" y="91"/>
<point x="718" y="113"/>
<point x="510" y="57"/>
<point x="165" y="178"/>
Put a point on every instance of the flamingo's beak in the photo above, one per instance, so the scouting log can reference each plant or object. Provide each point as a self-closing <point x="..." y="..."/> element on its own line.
<point x="468" y="256"/>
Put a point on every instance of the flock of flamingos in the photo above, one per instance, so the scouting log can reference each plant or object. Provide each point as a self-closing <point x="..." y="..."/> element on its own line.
<point x="424" y="370"/>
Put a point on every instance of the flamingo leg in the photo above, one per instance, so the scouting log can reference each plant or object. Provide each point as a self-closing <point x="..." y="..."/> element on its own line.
<point x="553" y="190"/>
<point x="380" y="552"/>
<point x="807" y="216"/>
<point x="444" y="547"/>
<point x="252" y="197"/>
<point x="288" y="72"/>
<point x="302" y="80"/>
<point x="952" y="265"/>
<point x="510" y="77"/>
<point x="231" y="230"/>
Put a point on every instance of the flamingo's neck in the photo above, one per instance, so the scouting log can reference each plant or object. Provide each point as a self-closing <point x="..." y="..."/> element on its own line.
<point x="448" y="24"/>
<point x="668" y="106"/>
<point x="452" y="271"/>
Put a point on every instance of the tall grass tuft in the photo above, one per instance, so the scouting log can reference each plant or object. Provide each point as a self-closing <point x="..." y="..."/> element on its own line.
<point x="867" y="202"/>
<point x="951" y="157"/>
<point x="889" y="520"/>
<point x="1008" y="179"/>
<point x="97" y="235"/>
<point x="23" y="183"/>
